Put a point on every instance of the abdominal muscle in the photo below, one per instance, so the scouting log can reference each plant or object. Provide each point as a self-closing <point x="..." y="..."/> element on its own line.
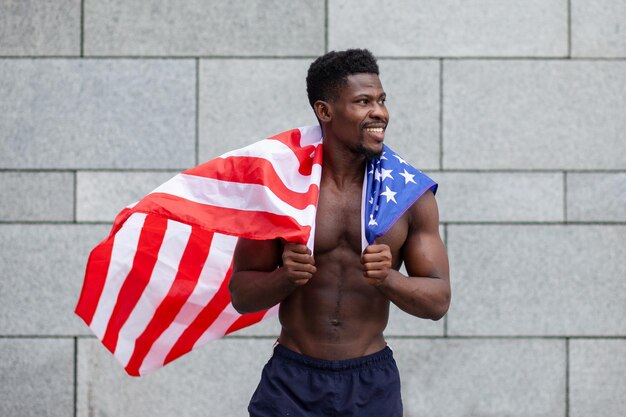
<point x="336" y="315"/>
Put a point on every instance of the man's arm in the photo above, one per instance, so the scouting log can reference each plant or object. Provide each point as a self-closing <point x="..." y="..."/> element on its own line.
<point x="265" y="273"/>
<point x="426" y="292"/>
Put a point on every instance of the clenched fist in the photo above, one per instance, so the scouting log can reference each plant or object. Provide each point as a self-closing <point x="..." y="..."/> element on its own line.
<point x="298" y="263"/>
<point x="376" y="261"/>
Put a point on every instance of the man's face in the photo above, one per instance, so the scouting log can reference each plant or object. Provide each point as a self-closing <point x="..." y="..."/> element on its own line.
<point x="359" y="115"/>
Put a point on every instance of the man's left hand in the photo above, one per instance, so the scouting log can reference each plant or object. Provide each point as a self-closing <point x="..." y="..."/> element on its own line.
<point x="376" y="261"/>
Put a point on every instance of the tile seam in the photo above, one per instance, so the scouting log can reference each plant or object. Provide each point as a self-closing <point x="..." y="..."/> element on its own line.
<point x="82" y="28"/>
<point x="197" y="113"/>
<point x="309" y="57"/>
<point x="441" y="115"/>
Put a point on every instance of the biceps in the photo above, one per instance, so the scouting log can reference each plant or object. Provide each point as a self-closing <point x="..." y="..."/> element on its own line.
<point x="256" y="255"/>
<point x="425" y="256"/>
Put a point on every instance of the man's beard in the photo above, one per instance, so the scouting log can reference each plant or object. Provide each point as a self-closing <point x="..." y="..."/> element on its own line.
<point x="369" y="153"/>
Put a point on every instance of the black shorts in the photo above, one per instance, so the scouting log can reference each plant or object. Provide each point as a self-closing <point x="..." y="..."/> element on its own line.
<point x="296" y="385"/>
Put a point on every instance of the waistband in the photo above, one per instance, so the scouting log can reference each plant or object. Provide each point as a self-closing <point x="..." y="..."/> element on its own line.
<point x="377" y="358"/>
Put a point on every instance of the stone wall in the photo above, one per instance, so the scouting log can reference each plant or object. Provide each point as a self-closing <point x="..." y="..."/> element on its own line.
<point x="517" y="108"/>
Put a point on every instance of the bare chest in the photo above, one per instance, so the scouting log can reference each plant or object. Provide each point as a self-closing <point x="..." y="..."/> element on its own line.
<point x="338" y="224"/>
<point x="338" y="220"/>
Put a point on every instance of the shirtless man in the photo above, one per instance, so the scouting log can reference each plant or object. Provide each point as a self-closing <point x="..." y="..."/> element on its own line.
<point x="331" y="357"/>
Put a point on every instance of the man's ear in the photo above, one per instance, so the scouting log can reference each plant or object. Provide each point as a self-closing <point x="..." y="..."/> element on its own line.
<point x="322" y="111"/>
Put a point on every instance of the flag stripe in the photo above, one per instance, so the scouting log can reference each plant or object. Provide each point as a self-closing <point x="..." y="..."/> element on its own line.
<point x="219" y="327"/>
<point x="146" y="257"/>
<point x="97" y="269"/>
<point x="211" y="277"/>
<point x="259" y="171"/>
<point x="163" y="276"/>
<point x="203" y="321"/>
<point x="247" y="224"/>
<point x="122" y="255"/>
<point x="246" y="320"/>
<point x="293" y="172"/>
<point x="210" y="191"/>
<point x="191" y="263"/>
<point x="294" y="140"/>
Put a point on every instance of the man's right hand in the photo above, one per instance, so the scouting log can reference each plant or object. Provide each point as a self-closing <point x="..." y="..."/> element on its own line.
<point x="298" y="263"/>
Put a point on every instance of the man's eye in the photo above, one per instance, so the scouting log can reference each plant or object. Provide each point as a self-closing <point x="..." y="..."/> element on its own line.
<point x="362" y="101"/>
<point x="382" y="101"/>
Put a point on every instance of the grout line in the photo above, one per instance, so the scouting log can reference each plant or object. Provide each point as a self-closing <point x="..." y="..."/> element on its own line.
<point x="311" y="57"/>
<point x="449" y="222"/>
<point x="461" y="337"/>
<point x="75" y="376"/>
<point x="565" y="219"/>
<point x="451" y="170"/>
<point x="197" y="111"/>
<point x="326" y="26"/>
<point x="75" y="214"/>
<point x="569" y="29"/>
<point x="433" y="170"/>
<point x="82" y="28"/>
<point x="104" y="170"/>
<point x="567" y="377"/>
<point x="441" y="114"/>
<point x="445" y="242"/>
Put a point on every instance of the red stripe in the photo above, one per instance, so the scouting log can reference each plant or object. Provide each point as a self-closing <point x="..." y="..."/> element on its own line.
<point x="246" y="320"/>
<point x="291" y="138"/>
<point x="252" y="170"/>
<point x="246" y="224"/>
<point x="95" y="277"/>
<point x="150" y="241"/>
<point x="203" y="321"/>
<point x="189" y="269"/>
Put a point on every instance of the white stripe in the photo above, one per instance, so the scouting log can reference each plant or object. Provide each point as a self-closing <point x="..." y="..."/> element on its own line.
<point x="122" y="255"/>
<point x="165" y="270"/>
<point x="249" y="197"/>
<point x="223" y="322"/>
<point x="284" y="162"/>
<point x="210" y="280"/>
<point x="364" y="196"/>
<point x="310" y="135"/>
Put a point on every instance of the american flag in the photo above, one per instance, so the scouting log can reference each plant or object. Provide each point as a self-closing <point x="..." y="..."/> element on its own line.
<point x="157" y="286"/>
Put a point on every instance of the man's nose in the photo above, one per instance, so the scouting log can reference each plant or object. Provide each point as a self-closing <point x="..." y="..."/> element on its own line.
<point x="379" y="111"/>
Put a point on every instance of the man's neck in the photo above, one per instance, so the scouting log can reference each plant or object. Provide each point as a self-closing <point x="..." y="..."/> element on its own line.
<point x="342" y="166"/>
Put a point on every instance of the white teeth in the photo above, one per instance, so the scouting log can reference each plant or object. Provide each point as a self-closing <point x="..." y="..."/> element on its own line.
<point x="375" y="129"/>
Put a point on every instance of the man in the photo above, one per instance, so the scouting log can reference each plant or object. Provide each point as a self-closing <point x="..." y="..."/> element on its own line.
<point x="331" y="357"/>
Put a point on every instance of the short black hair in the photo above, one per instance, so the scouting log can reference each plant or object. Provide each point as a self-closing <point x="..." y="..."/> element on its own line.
<point x="329" y="73"/>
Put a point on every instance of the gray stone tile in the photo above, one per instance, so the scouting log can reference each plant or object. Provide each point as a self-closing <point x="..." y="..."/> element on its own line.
<point x="487" y="377"/>
<point x="450" y="27"/>
<point x="239" y="106"/>
<point x="412" y="89"/>
<point x="36" y="377"/>
<point x="216" y="380"/>
<point x="596" y="197"/>
<point x="36" y="196"/>
<point x="597" y="377"/>
<point x="31" y="27"/>
<point x="598" y="28"/>
<point x="537" y="280"/>
<point x="66" y="114"/>
<point x="101" y="195"/>
<point x="403" y="324"/>
<point x="238" y="27"/>
<point x="499" y="196"/>
<point x="42" y="269"/>
<point x="534" y="114"/>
